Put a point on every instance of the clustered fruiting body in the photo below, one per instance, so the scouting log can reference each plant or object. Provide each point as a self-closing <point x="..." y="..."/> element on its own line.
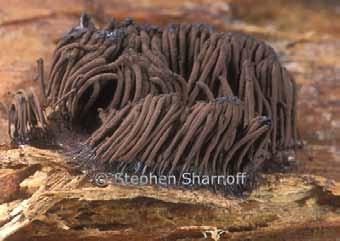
<point x="26" y="118"/>
<point x="167" y="101"/>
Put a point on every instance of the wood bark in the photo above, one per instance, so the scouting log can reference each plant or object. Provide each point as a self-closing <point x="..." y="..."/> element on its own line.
<point x="43" y="199"/>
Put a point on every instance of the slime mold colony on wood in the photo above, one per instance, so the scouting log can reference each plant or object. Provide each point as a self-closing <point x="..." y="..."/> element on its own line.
<point x="146" y="99"/>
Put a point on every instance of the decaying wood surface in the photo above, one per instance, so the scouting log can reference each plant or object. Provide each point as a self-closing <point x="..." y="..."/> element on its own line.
<point x="45" y="200"/>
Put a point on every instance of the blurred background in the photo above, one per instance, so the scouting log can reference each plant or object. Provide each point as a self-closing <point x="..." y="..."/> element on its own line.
<point x="305" y="34"/>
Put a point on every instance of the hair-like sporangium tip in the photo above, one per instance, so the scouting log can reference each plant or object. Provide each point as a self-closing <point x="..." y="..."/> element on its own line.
<point x="166" y="101"/>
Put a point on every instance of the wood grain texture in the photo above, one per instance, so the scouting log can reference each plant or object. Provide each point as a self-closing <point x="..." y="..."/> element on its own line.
<point x="62" y="205"/>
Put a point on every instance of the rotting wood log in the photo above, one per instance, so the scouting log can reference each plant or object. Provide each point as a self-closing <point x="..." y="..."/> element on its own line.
<point x="58" y="204"/>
